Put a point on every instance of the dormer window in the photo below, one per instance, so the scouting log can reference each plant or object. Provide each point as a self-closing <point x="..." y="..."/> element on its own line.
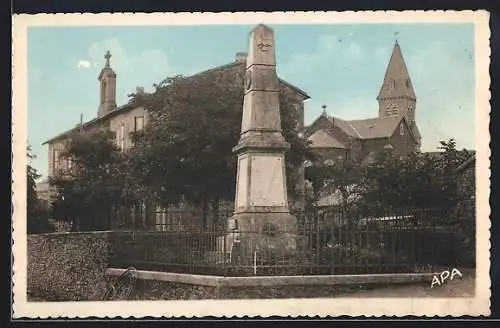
<point x="402" y="129"/>
<point x="408" y="83"/>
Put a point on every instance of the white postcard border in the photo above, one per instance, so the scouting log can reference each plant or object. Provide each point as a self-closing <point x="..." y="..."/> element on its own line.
<point x="478" y="305"/>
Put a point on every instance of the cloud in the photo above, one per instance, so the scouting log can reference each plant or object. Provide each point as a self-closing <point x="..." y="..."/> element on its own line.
<point x="445" y="104"/>
<point x="329" y="50"/>
<point x="134" y="67"/>
<point x="350" y="108"/>
<point x="301" y="64"/>
<point x="83" y="64"/>
<point x="382" y="51"/>
<point x="355" y="49"/>
<point x="442" y="74"/>
<point x="123" y="60"/>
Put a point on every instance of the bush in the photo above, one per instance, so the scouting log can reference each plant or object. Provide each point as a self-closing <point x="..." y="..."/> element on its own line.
<point x="38" y="219"/>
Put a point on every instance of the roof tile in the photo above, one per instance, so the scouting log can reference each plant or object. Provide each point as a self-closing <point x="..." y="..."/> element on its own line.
<point x="322" y="139"/>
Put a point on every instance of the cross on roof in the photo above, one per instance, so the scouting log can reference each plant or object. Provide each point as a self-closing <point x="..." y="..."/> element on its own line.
<point x="107" y="56"/>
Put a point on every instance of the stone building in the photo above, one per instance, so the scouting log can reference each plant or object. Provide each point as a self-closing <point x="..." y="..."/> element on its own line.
<point x="125" y="119"/>
<point x="335" y="139"/>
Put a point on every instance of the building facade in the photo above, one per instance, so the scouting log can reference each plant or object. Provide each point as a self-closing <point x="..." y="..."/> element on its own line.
<point x="334" y="139"/>
<point x="123" y="120"/>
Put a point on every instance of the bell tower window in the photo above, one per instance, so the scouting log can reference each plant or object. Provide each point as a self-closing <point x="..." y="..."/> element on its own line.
<point x="103" y="91"/>
<point x="391" y="84"/>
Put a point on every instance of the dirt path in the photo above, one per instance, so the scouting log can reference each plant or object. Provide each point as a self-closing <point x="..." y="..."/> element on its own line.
<point x="464" y="287"/>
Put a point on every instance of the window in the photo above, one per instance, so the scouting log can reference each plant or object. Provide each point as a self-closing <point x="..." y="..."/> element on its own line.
<point x="391" y="84"/>
<point x="408" y="83"/>
<point x="55" y="159"/>
<point x="307" y="163"/>
<point x="139" y="123"/>
<point x="122" y="136"/>
<point x="69" y="163"/>
<point x="402" y="129"/>
<point x="103" y="91"/>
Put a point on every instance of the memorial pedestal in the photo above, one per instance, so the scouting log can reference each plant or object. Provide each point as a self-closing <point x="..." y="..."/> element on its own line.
<point x="262" y="232"/>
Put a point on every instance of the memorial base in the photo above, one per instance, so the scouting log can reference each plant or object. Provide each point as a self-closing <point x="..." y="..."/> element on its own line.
<point x="264" y="243"/>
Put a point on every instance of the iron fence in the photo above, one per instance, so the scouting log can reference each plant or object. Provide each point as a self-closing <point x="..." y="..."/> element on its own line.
<point x="331" y="241"/>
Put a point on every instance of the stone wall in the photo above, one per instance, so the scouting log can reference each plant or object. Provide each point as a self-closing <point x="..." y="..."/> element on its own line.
<point x="68" y="266"/>
<point x="159" y="290"/>
<point x="152" y="285"/>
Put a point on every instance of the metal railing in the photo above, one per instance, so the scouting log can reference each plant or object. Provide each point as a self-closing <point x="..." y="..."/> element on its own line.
<point x="329" y="242"/>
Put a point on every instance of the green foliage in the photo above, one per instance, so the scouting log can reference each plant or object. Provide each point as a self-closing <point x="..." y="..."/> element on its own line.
<point x="343" y="177"/>
<point x="415" y="180"/>
<point x="186" y="148"/>
<point x="37" y="210"/>
<point x="88" y="193"/>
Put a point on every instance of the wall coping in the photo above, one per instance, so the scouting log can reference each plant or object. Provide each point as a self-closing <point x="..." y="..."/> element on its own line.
<point x="74" y="233"/>
<point x="263" y="281"/>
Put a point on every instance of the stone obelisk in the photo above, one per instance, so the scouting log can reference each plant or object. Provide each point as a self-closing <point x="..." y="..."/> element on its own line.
<point x="262" y="219"/>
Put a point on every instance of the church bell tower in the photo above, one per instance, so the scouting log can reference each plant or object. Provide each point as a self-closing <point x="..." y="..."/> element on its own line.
<point x="396" y="96"/>
<point x="107" y="79"/>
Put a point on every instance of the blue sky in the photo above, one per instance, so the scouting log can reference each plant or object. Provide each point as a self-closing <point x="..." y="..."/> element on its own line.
<point x="341" y="66"/>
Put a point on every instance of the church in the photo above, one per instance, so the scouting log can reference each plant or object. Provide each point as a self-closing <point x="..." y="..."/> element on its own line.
<point x="334" y="139"/>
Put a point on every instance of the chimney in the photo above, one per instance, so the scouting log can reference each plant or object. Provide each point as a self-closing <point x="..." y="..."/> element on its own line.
<point x="241" y="57"/>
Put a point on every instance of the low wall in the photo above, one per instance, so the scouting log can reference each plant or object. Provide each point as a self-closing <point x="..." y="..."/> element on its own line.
<point x="75" y="267"/>
<point x="68" y="266"/>
<point x="152" y="285"/>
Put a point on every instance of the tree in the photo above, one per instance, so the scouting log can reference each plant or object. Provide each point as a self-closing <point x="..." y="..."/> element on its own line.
<point x="342" y="178"/>
<point x="89" y="193"/>
<point x="185" y="149"/>
<point x="37" y="211"/>
<point x="414" y="180"/>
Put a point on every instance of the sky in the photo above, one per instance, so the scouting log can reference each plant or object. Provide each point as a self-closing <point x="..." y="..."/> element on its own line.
<point x="341" y="66"/>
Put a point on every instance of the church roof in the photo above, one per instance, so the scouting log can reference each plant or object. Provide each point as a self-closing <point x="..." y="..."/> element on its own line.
<point x="90" y="123"/>
<point x="322" y="139"/>
<point x="107" y="67"/>
<point x="371" y="128"/>
<point x="397" y="82"/>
